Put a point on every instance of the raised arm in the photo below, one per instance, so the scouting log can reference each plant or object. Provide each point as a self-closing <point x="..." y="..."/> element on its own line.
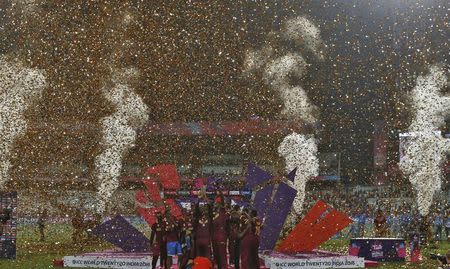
<point x="152" y="235"/>
<point x="247" y="227"/>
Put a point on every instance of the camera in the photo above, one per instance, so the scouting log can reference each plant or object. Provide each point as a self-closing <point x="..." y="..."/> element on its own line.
<point x="438" y="257"/>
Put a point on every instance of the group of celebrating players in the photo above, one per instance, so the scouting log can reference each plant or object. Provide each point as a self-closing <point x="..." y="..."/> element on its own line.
<point x="211" y="233"/>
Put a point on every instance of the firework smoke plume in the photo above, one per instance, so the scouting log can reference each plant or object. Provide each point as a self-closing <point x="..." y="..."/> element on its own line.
<point x="279" y="71"/>
<point x="425" y="149"/>
<point x="119" y="133"/>
<point x="19" y="88"/>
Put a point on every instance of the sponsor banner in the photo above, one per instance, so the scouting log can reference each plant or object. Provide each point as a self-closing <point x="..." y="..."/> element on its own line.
<point x="107" y="262"/>
<point x="187" y="206"/>
<point x="379" y="249"/>
<point x="210" y="193"/>
<point x="329" y="178"/>
<point x="248" y="127"/>
<point x="246" y="193"/>
<point x="315" y="263"/>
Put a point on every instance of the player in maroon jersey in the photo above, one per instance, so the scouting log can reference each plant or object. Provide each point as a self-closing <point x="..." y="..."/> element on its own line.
<point x="173" y="238"/>
<point x="233" y="240"/>
<point x="250" y="242"/>
<point x="158" y="241"/>
<point x="186" y="240"/>
<point x="220" y="235"/>
<point x="203" y="233"/>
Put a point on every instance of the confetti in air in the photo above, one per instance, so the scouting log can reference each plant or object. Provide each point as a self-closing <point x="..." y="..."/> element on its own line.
<point x="280" y="72"/>
<point x="19" y="88"/>
<point x="425" y="149"/>
<point x="119" y="133"/>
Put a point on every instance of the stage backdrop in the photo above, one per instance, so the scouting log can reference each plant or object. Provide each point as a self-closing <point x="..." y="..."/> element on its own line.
<point x="8" y="225"/>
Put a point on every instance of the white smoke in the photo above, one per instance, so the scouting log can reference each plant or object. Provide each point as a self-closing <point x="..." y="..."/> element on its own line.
<point x="297" y="104"/>
<point x="300" y="151"/>
<point x="280" y="72"/>
<point x="430" y="105"/>
<point x="19" y="88"/>
<point x="304" y="33"/>
<point x="119" y="133"/>
<point x="255" y="59"/>
<point x="425" y="149"/>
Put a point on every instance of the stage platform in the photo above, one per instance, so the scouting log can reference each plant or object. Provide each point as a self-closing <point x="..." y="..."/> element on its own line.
<point x="116" y="259"/>
<point x="312" y="260"/>
<point x="109" y="259"/>
<point x="269" y="260"/>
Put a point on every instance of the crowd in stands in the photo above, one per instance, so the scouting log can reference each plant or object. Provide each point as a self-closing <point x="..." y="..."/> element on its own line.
<point x="396" y="202"/>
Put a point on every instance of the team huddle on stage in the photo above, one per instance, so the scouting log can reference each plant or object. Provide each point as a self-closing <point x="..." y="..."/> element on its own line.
<point x="213" y="232"/>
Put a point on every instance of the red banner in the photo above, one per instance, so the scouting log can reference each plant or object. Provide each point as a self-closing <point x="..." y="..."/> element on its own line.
<point x="319" y="225"/>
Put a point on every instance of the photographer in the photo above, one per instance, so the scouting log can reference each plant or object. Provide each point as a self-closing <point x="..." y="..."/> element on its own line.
<point x="444" y="261"/>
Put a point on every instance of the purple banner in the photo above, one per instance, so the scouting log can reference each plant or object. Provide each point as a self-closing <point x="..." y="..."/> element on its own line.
<point x="291" y="175"/>
<point x="119" y="232"/>
<point x="256" y="176"/>
<point x="276" y="215"/>
<point x="262" y="200"/>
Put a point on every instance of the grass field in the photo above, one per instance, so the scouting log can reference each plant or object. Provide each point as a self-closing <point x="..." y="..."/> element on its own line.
<point x="32" y="254"/>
